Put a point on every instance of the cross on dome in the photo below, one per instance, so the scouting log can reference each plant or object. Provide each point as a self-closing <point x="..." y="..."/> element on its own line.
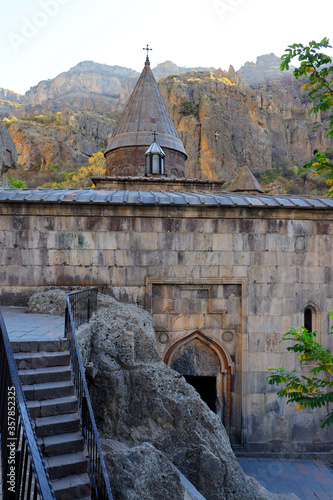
<point x="147" y="49"/>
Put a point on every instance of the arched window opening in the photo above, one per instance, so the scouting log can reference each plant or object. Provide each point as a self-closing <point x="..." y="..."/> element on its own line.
<point x="308" y="319"/>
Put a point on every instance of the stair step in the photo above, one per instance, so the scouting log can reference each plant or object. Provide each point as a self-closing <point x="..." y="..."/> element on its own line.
<point x="43" y="375"/>
<point x="54" y="345"/>
<point x="65" y="465"/>
<point x="34" y="360"/>
<point x="40" y="392"/>
<point x="76" y="486"/>
<point x="58" y="424"/>
<point x="48" y="407"/>
<point x="70" y="442"/>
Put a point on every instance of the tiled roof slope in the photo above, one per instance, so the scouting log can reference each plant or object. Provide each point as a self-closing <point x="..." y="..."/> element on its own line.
<point x="117" y="197"/>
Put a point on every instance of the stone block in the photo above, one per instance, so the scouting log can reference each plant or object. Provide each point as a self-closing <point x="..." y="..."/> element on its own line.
<point x="261" y="428"/>
<point x="58" y="257"/>
<point x="286" y="243"/>
<point x="238" y="242"/>
<point x="118" y="276"/>
<point x="228" y="226"/>
<point x="135" y="276"/>
<point x="186" y="323"/>
<point x="94" y="224"/>
<point x="242" y="258"/>
<point x="106" y="241"/>
<point x="11" y="256"/>
<point x="122" y="241"/>
<point x="34" y="257"/>
<point x="222" y="242"/>
<point x="226" y="271"/>
<point x="208" y="271"/>
<point x="235" y="271"/>
<point x="143" y="242"/>
<point x="281" y="428"/>
<point x="286" y="259"/>
<point x="273" y="404"/>
<point x="169" y="258"/>
<point x="272" y="242"/>
<point x="186" y="241"/>
<point x="124" y="258"/>
<point x="213" y="321"/>
<point x="106" y="257"/>
<point x="256" y="404"/>
<point x="20" y="223"/>
<point x="257" y="342"/>
<point x="203" y="242"/>
<point x="300" y="227"/>
<point x="77" y="224"/>
<point x="49" y="275"/>
<point x="118" y="224"/>
<point x="257" y="383"/>
<point x="260" y="363"/>
<point x="148" y="258"/>
<point x="173" y="225"/>
<point x="161" y="322"/>
<point x="167" y="241"/>
<point x="146" y="225"/>
<point x="256" y="243"/>
<point x="101" y="275"/>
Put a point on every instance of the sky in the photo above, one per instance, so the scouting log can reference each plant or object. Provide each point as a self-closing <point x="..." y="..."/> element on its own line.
<point x="41" y="38"/>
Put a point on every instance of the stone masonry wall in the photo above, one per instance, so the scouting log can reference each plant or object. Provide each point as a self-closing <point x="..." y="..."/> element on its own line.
<point x="280" y="260"/>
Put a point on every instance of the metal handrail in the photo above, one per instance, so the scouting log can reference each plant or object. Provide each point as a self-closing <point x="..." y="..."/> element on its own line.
<point x="83" y="305"/>
<point x="101" y="489"/>
<point x="21" y="458"/>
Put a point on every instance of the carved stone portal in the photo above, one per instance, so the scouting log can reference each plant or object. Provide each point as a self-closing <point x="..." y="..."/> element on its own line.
<point x="195" y="358"/>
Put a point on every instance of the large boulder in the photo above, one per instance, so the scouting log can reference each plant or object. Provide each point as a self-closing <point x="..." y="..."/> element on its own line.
<point x="137" y="398"/>
<point x="141" y="472"/>
<point x="48" y="302"/>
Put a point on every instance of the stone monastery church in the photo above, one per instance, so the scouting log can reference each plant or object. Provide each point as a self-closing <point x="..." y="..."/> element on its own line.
<point x="224" y="274"/>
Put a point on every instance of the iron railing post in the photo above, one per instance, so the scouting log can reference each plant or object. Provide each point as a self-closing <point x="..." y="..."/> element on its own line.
<point x="101" y="489"/>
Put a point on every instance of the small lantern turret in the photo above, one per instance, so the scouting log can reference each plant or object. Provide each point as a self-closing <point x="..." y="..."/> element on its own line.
<point x="154" y="158"/>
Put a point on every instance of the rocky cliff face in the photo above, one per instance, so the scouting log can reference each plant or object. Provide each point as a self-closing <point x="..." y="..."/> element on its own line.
<point x="9" y="101"/>
<point x="255" y="115"/>
<point x="70" y="117"/>
<point x="258" y="114"/>
<point x="85" y="80"/>
<point x="169" y="68"/>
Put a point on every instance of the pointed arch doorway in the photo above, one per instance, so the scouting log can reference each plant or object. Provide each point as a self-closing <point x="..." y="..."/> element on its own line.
<point x="206" y="365"/>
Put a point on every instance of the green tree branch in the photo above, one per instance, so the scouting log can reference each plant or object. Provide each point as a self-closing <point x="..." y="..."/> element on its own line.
<point x="307" y="392"/>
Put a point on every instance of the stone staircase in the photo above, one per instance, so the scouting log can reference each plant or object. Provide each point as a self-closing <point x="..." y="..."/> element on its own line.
<point x="46" y="377"/>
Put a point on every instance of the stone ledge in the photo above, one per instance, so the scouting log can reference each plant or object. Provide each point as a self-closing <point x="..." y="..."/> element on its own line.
<point x="158" y="183"/>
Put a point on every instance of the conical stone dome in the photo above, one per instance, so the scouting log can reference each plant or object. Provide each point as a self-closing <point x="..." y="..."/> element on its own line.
<point x="144" y="113"/>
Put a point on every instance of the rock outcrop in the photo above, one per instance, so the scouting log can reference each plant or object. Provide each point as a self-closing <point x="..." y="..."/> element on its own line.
<point x="142" y="471"/>
<point x="8" y="155"/>
<point x="49" y="302"/>
<point x="138" y="399"/>
<point x="170" y="68"/>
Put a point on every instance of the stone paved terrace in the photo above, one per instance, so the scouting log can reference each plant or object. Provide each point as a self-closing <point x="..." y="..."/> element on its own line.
<point x="308" y="479"/>
<point x="25" y="327"/>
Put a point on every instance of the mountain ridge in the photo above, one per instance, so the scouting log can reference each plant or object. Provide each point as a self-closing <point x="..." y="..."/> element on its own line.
<point x="259" y="114"/>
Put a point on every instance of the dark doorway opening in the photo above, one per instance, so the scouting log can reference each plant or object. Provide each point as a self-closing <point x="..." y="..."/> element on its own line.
<point x="206" y="387"/>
